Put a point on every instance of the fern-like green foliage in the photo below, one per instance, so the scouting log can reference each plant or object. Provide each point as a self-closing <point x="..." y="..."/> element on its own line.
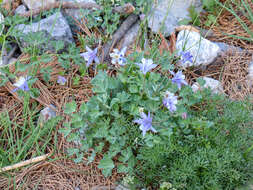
<point x="198" y="157"/>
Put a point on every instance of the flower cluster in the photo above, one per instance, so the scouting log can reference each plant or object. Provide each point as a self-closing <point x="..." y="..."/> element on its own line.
<point x="169" y="100"/>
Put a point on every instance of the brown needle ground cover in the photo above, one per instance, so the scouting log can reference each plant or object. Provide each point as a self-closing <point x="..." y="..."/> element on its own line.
<point x="60" y="172"/>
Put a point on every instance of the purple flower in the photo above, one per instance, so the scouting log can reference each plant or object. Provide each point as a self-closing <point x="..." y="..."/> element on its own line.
<point x="184" y="115"/>
<point x="61" y="80"/>
<point x="118" y="56"/>
<point x="90" y="56"/>
<point x="186" y="57"/>
<point x="146" y="65"/>
<point x="145" y="123"/>
<point x="22" y="84"/>
<point x="142" y="16"/>
<point x="170" y="101"/>
<point x="178" y="78"/>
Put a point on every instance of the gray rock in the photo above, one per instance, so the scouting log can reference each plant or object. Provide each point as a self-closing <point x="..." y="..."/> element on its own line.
<point x="131" y="35"/>
<point x="1" y="23"/>
<point x="34" y="4"/>
<point x="46" y="114"/>
<point x="48" y="30"/>
<point x="121" y="187"/>
<point x="203" y="51"/>
<point x="170" y="13"/>
<point x="21" y="9"/>
<point x="225" y="47"/>
<point x="215" y="85"/>
<point x="12" y="60"/>
<point x="72" y="14"/>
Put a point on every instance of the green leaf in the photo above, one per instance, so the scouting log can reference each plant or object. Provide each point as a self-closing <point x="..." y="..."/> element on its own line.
<point x="34" y="92"/>
<point x="76" y="117"/>
<point x="70" y="107"/>
<point x="122" y="168"/>
<point x="107" y="165"/>
<point x="133" y="88"/>
<point x="79" y="158"/>
<point x="65" y="131"/>
<point x="84" y="108"/>
<point x="72" y="151"/>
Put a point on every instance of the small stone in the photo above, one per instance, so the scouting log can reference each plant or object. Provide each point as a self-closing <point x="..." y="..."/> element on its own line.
<point x="46" y="114"/>
<point x="34" y="4"/>
<point x="21" y="9"/>
<point x="121" y="187"/>
<point x="170" y="13"/>
<point x="203" y="51"/>
<point x="225" y="47"/>
<point x="214" y="85"/>
<point x="51" y="29"/>
<point x="12" y="60"/>
<point x="131" y="35"/>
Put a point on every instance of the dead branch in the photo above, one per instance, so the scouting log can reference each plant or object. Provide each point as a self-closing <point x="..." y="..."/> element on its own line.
<point x="24" y="163"/>
<point x="126" y="9"/>
<point x="131" y="19"/>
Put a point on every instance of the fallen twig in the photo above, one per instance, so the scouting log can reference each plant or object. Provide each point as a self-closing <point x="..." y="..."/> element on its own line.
<point x="126" y="9"/>
<point x="25" y="163"/>
<point x="131" y="19"/>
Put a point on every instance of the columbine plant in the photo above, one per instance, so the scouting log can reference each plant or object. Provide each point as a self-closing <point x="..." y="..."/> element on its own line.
<point x="111" y="118"/>
<point x="146" y="65"/>
<point x="145" y="123"/>
<point x="22" y="84"/>
<point x="186" y="57"/>
<point x="119" y="56"/>
<point x="178" y="79"/>
<point x="170" y="101"/>
<point x="90" y="56"/>
<point x="61" y="80"/>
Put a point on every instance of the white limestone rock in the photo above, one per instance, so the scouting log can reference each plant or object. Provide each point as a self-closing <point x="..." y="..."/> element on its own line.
<point x="211" y="83"/>
<point x="203" y="51"/>
<point x="21" y="9"/>
<point x="170" y="12"/>
<point x="52" y="28"/>
<point x="34" y="4"/>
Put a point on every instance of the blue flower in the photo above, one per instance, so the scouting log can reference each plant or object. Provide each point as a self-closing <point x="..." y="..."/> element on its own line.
<point x="118" y="56"/>
<point x="178" y="79"/>
<point x="170" y="101"/>
<point x="61" y="80"/>
<point x="146" y="65"/>
<point x="22" y="84"/>
<point x="90" y="56"/>
<point x="145" y="123"/>
<point x="186" y="57"/>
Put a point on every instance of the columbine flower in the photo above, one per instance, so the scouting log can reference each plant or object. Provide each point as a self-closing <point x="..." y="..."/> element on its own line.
<point x="142" y="16"/>
<point x="146" y="65"/>
<point x="184" y="115"/>
<point x="178" y="78"/>
<point x="170" y="101"/>
<point x="61" y="80"/>
<point x="186" y="57"/>
<point x="118" y="56"/>
<point x="90" y="56"/>
<point x="145" y="123"/>
<point x="22" y="84"/>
